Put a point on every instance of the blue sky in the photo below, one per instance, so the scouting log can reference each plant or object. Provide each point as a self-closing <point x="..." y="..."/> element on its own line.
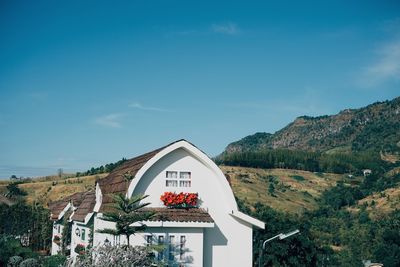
<point x="84" y="83"/>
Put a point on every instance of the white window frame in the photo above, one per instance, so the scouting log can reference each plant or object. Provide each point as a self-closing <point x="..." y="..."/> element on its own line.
<point x="179" y="181"/>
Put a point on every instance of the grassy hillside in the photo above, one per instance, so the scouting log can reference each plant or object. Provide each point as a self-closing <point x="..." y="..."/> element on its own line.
<point x="293" y="191"/>
<point x="380" y="204"/>
<point x="44" y="190"/>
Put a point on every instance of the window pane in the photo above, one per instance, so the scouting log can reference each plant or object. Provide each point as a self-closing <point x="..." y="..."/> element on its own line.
<point x="171" y="183"/>
<point x="160" y="242"/>
<point x="171" y="248"/>
<point x="149" y="240"/>
<point x="184" y="183"/>
<point x="172" y="175"/>
<point x="182" y="247"/>
<point x="83" y="234"/>
<point x="184" y="175"/>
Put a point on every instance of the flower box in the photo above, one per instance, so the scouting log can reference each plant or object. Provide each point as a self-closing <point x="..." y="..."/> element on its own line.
<point x="181" y="200"/>
<point x="57" y="239"/>
<point x="80" y="249"/>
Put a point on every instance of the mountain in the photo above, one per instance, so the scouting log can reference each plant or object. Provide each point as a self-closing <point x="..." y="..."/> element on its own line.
<point x="375" y="127"/>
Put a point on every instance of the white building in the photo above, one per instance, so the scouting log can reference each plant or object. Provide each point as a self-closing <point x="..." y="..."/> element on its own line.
<point x="214" y="233"/>
<point x="61" y="213"/>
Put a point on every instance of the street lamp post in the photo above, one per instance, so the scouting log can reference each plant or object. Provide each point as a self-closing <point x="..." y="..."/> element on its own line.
<point x="280" y="236"/>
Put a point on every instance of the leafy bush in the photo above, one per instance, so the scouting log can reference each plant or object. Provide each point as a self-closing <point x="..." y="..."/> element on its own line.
<point x="14" y="190"/>
<point x="297" y="177"/>
<point x="9" y="247"/>
<point x="14" y="261"/>
<point x="31" y="262"/>
<point x="54" y="261"/>
<point x="105" y="256"/>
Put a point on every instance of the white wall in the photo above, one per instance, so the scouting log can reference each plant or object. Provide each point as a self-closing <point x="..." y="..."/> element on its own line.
<point x="193" y="256"/>
<point x="75" y="239"/>
<point x="229" y="243"/>
<point x="57" y="230"/>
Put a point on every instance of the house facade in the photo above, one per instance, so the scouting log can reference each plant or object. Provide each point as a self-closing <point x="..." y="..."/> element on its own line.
<point x="212" y="232"/>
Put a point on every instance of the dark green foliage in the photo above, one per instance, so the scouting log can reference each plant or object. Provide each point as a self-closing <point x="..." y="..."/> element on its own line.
<point x="54" y="261"/>
<point x="9" y="247"/>
<point x="102" y="169"/>
<point x="357" y="236"/>
<point x="340" y="196"/>
<point x="31" y="262"/>
<point x="14" y="261"/>
<point x="15" y="219"/>
<point x="124" y="214"/>
<point x="302" y="160"/>
<point x="14" y="190"/>
<point x="298" y="250"/>
<point x="20" y="219"/>
<point x="271" y="189"/>
<point x="66" y="234"/>
<point x="388" y="251"/>
<point x="376" y="183"/>
<point x="297" y="177"/>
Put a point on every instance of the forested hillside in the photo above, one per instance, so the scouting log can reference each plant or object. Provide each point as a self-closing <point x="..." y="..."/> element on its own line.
<point x="344" y="218"/>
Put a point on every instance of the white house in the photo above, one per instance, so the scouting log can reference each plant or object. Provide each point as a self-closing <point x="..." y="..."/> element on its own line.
<point x="62" y="210"/>
<point x="213" y="233"/>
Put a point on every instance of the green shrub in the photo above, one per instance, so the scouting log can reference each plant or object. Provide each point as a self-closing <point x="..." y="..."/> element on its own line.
<point x="54" y="261"/>
<point x="14" y="261"/>
<point x="297" y="177"/>
<point x="9" y="247"/>
<point x="31" y="262"/>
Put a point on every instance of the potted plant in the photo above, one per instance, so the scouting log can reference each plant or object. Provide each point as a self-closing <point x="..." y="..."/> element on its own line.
<point x="57" y="239"/>
<point x="80" y="249"/>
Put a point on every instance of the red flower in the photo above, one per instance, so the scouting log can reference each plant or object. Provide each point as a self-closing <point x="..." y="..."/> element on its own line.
<point x="184" y="200"/>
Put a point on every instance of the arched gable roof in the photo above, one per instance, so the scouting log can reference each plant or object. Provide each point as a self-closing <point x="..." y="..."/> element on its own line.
<point x="199" y="155"/>
<point x="117" y="182"/>
<point x="134" y="169"/>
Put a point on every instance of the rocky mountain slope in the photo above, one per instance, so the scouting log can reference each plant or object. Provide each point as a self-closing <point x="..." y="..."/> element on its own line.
<point x="374" y="127"/>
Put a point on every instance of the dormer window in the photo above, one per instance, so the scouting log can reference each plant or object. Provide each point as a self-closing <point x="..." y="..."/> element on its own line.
<point x="178" y="179"/>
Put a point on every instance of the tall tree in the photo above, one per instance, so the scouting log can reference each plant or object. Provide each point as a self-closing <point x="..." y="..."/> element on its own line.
<point x="124" y="213"/>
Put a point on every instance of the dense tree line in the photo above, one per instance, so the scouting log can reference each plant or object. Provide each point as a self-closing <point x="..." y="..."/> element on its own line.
<point x="102" y="169"/>
<point x="33" y="221"/>
<point x="304" y="160"/>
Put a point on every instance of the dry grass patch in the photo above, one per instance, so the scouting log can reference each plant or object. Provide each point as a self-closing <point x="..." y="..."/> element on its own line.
<point x="294" y="191"/>
<point x="380" y="204"/>
<point x="44" y="191"/>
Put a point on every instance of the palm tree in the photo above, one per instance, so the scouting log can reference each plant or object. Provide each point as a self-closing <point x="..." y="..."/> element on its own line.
<point x="124" y="214"/>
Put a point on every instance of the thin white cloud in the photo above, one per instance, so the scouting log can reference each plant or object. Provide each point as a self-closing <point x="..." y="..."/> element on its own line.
<point x="148" y="108"/>
<point x="385" y="68"/>
<point x="310" y="103"/>
<point x="228" y="28"/>
<point x="110" y="120"/>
